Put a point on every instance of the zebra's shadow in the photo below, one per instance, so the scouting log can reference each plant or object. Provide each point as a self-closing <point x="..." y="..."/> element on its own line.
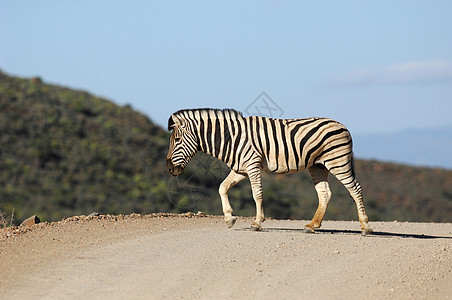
<point x="383" y="234"/>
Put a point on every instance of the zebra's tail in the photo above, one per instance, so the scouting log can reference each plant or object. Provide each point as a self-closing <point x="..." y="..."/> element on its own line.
<point x="352" y="161"/>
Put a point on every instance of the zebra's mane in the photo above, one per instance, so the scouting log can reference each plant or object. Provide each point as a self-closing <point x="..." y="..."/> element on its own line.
<point x="195" y="114"/>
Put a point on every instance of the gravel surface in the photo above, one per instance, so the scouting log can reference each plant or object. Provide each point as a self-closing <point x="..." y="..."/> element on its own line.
<point x="163" y="256"/>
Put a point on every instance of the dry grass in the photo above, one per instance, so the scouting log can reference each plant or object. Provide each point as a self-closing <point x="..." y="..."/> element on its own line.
<point x="6" y="221"/>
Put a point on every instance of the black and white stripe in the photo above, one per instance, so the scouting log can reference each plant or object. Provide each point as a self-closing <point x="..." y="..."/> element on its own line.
<point x="249" y="145"/>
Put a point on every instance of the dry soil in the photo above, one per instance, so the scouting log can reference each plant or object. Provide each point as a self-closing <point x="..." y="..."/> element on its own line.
<point x="163" y="256"/>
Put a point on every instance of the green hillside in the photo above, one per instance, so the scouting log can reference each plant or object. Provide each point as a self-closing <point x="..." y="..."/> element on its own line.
<point x="65" y="152"/>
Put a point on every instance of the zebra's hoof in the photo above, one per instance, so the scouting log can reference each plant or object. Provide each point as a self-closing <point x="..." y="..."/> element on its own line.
<point x="230" y="222"/>
<point x="255" y="227"/>
<point x="308" y="230"/>
<point x="366" y="231"/>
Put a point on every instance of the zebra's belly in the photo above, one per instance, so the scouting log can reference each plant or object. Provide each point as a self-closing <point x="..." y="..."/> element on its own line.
<point x="281" y="167"/>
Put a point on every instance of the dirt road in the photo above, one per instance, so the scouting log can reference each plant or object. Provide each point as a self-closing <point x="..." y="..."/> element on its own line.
<point x="144" y="257"/>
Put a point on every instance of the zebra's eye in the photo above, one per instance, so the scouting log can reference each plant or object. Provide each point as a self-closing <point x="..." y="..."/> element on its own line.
<point x="177" y="139"/>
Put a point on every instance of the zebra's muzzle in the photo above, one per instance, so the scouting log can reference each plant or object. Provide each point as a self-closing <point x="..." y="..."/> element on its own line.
<point x="172" y="169"/>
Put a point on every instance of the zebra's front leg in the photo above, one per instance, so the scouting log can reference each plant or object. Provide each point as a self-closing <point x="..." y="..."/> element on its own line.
<point x="256" y="187"/>
<point x="232" y="179"/>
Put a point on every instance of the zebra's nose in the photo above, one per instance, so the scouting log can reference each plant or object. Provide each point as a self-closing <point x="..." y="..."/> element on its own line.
<point x="170" y="166"/>
<point x="172" y="169"/>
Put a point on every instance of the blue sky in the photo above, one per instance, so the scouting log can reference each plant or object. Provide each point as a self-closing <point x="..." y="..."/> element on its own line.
<point x="376" y="66"/>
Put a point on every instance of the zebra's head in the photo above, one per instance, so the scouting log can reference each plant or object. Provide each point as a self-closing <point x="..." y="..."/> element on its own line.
<point x="183" y="145"/>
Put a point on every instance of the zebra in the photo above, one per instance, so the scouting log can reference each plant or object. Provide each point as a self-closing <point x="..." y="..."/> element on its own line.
<point x="250" y="145"/>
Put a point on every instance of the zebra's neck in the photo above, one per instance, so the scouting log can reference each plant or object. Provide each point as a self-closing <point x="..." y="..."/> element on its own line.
<point x="220" y="133"/>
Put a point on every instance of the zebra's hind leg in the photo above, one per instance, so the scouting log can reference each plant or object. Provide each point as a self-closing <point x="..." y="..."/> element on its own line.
<point x="345" y="174"/>
<point x="232" y="179"/>
<point x="357" y="195"/>
<point x="319" y="175"/>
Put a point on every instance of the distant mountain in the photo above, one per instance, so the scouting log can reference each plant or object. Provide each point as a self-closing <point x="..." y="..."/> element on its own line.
<point x="420" y="147"/>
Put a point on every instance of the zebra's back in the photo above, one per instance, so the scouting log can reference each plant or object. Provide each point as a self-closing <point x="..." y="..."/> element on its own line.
<point x="292" y="145"/>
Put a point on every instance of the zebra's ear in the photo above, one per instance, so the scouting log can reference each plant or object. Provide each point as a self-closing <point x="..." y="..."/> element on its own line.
<point x="170" y="123"/>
